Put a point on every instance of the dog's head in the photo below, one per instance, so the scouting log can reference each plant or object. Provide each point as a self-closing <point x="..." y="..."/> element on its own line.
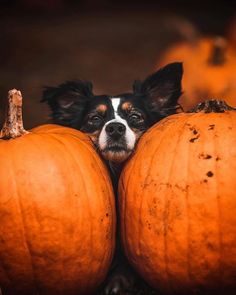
<point x="115" y="123"/>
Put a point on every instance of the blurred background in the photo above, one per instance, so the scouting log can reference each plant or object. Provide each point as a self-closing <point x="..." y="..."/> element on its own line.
<point x="110" y="43"/>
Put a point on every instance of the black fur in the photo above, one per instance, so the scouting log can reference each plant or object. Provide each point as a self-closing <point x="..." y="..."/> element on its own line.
<point x="68" y="102"/>
<point x="161" y="91"/>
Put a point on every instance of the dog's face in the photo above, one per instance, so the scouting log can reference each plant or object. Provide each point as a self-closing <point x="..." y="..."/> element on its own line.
<point x="115" y="123"/>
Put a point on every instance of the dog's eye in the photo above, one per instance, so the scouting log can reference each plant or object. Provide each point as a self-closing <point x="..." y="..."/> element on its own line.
<point x="95" y="119"/>
<point x="135" y="117"/>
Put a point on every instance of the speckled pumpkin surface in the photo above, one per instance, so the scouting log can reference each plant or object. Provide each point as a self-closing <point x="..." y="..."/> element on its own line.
<point x="178" y="204"/>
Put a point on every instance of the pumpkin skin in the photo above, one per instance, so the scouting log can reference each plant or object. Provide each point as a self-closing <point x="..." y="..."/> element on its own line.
<point x="209" y="70"/>
<point x="57" y="230"/>
<point x="178" y="207"/>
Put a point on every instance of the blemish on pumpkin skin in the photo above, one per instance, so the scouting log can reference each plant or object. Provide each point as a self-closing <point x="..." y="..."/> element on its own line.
<point x="210" y="174"/>
<point x="195" y="132"/>
<point x="107" y="214"/>
<point x="108" y="234"/>
<point x="148" y="225"/>
<point x="147" y="141"/>
<point x="204" y="181"/>
<point x="192" y="127"/>
<point x="204" y="156"/>
<point x="147" y="183"/>
<point x="166" y="184"/>
<point x="218" y="158"/>
<point x="194" y="138"/>
<point x="152" y="211"/>
<point x="211" y="127"/>
<point x="183" y="189"/>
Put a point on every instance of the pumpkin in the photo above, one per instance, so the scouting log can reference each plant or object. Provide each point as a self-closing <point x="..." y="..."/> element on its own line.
<point x="177" y="203"/>
<point x="57" y="211"/>
<point x="209" y="70"/>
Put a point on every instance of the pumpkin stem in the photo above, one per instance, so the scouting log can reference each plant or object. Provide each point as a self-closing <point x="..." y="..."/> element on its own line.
<point x="212" y="106"/>
<point x="217" y="56"/>
<point x="13" y="126"/>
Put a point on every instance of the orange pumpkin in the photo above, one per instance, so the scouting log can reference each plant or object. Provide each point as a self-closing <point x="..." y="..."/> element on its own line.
<point x="209" y="70"/>
<point x="178" y="205"/>
<point x="57" y="212"/>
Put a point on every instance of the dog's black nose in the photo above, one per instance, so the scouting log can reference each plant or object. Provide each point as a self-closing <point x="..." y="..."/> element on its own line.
<point x="115" y="130"/>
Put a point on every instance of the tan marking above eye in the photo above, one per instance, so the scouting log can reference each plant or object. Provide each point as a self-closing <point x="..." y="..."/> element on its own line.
<point x="102" y="108"/>
<point x="127" y="106"/>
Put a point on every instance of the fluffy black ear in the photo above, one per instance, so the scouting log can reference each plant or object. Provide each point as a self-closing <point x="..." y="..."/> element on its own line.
<point x="161" y="90"/>
<point x="68" y="102"/>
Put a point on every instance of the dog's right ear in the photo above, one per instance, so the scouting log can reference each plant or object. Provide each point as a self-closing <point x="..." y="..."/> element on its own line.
<point x="68" y="102"/>
<point x="161" y="91"/>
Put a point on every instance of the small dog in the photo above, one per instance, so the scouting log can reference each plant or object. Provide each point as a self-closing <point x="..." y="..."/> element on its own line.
<point x="115" y="124"/>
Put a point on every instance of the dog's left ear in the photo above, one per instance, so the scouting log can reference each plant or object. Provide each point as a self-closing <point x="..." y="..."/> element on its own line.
<point x="68" y="102"/>
<point x="162" y="89"/>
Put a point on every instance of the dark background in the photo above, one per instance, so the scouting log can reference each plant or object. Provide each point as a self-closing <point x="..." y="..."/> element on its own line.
<point x="110" y="43"/>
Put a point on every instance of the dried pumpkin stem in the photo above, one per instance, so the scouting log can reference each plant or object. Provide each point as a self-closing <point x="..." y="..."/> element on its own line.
<point x="13" y="126"/>
<point x="212" y="106"/>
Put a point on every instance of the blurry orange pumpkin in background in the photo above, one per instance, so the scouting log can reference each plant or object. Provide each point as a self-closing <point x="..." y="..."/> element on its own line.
<point x="178" y="205"/>
<point x="57" y="211"/>
<point x="209" y="70"/>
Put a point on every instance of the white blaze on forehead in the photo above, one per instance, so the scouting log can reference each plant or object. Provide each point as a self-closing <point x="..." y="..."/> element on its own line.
<point x="115" y="101"/>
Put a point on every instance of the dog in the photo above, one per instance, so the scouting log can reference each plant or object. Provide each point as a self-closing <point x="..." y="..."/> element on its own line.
<point x="115" y="124"/>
